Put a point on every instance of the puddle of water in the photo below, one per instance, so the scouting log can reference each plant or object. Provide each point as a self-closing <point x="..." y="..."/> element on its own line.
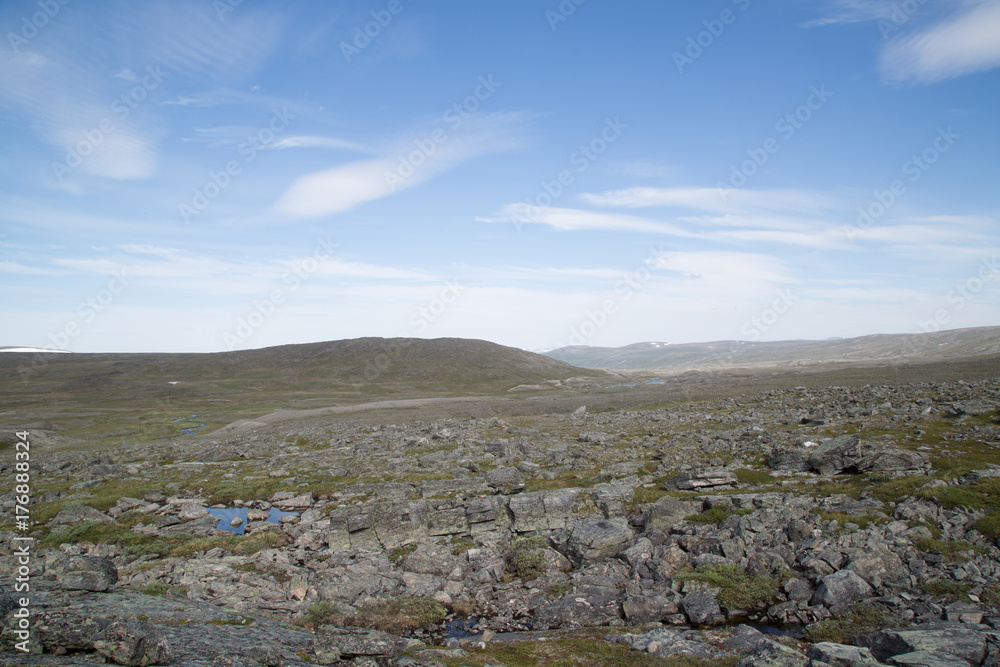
<point x="186" y="431"/>
<point x="226" y="515"/>
<point x="461" y="628"/>
<point x="638" y="384"/>
<point x="794" y="631"/>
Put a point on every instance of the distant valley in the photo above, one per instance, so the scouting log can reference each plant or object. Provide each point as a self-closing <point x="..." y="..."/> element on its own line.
<point x="722" y="355"/>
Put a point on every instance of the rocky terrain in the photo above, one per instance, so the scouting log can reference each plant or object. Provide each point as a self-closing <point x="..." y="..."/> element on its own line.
<point x="838" y="525"/>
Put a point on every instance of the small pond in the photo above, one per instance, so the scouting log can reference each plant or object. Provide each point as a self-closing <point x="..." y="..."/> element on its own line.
<point x="225" y="516"/>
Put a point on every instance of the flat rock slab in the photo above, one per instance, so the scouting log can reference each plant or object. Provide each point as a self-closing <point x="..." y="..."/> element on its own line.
<point x="702" y="479"/>
<point x="841" y="655"/>
<point x="198" y="634"/>
<point x="928" y="659"/>
<point x="959" y="639"/>
<point x="79" y="514"/>
<point x="334" y="644"/>
<point x="88" y="573"/>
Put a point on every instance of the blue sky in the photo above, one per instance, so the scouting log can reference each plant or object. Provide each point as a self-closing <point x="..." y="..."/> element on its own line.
<point x="213" y="175"/>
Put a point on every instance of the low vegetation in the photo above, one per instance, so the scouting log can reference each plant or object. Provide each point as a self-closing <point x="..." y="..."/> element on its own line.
<point x="861" y="620"/>
<point x="947" y="588"/>
<point x="175" y="546"/>
<point x="738" y="590"/>
<point x="586" y="647"/>
<point x="958" y="551"/>
<point x="715" y="515"/>
<point x="525" y="558"/>
<point x="399" y="615"/>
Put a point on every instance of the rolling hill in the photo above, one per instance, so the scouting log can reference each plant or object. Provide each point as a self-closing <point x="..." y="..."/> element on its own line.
<point x="139" y="396"/>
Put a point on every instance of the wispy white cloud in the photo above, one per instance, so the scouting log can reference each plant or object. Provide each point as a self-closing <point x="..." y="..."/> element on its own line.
<point x="15" y="267"/>
<point x="202" y="272"/>
<point x="434" y="152"/>
<point x="966" y="43"/>
<point x="852" y="11"/>
<point x="927" y="42"/>
<point x="93" y="84"/>
<point x="715" y="199"/>
<point x="728" y="269"/>
<point x="572" y="219"/>
<point x="342" y="188"/>
<point x="317" y="142"/>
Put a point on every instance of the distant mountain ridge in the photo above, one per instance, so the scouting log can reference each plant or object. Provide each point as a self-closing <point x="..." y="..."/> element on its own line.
<point x="941" y="345"/>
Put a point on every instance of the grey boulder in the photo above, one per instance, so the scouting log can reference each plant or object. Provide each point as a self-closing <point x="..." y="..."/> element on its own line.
<point x="837" y="455"/>
<point x="701" y="608"/>
<point x="505" y="479"/>
<point x="843" y="587"/>
<point x="88" y="573"/>
<point x="79" y="514"/>
<point x="334" y="644"/>
<point x="593" y="538"/>
<point x="133" y="642"/>
<point x="579" y="611"/>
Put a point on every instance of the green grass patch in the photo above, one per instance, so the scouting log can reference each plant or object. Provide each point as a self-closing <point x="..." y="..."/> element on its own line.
<point x="155" y="588"/>
<point x="739" y="590"/>
<point x="715" y="515"/>
<point x="586" y="647"/>
<point x="643" y="496"/>
<point x="559" y="590"/>
<point x="319" y="614"/>
<point x="180" y="546"/>
<point x="398" y="615"/>
<point x="862" y="521"/>
<point x="991" y="594"/>
<point x="897" y="489"/>
<point x="525" y="557"/>
<point x="239" y="545"/>
<point x="861" y="620"/>
<point x="754" y="477"/>
<point x="239" y="620"/>
<point x="401" y="552"/>
<point x="459" y="545"/>
<point x="273" y="571"/>
<point x="988" y="525"/>
<point x="951" y="551"/>
<point x="947" y="588"/>
<point x="133" y="544"/>
<point x="984" y="495"/>
<point x="225" y="491"/>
